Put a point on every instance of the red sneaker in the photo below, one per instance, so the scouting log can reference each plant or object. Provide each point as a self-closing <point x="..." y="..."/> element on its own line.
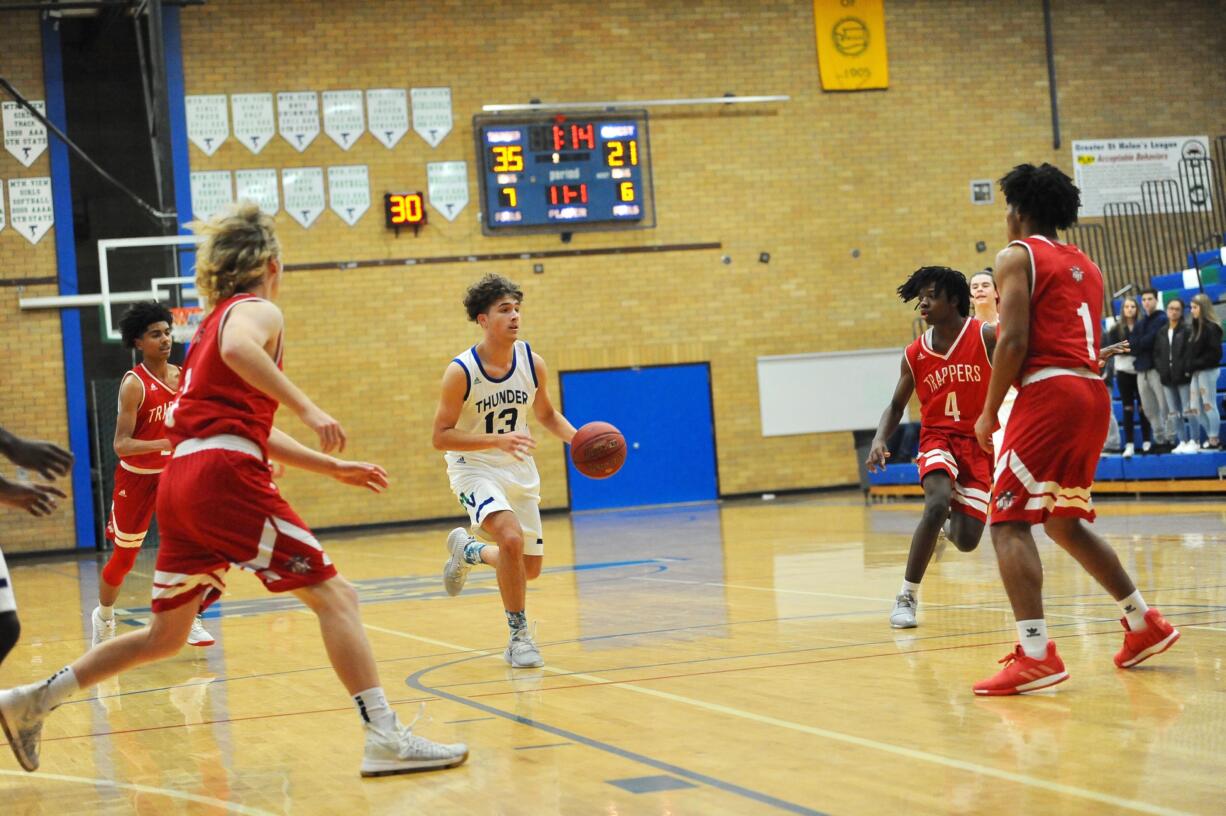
<point x="1155" y="638"/>
<point x="1022" y="673"/>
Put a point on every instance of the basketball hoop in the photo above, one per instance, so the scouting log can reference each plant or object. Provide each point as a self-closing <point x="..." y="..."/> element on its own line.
<point x="186" y="320"/>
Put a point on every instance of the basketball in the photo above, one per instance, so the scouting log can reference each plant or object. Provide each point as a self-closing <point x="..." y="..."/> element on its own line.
<point x="598" y="450"/>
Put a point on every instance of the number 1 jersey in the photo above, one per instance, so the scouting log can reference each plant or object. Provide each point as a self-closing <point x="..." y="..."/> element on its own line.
<point x="495" y="406"/>
<point x="953" y="386"/>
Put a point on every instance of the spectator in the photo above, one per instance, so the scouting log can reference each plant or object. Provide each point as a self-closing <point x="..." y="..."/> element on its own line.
<point x="1203" y="363"/>
<point x="1170" y="351"/>
<point x="1126" y="376"/>
<point x="1149" y="383"/>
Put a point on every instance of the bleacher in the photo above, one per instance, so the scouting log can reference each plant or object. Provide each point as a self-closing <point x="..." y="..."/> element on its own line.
<point x="1141" y="473"/>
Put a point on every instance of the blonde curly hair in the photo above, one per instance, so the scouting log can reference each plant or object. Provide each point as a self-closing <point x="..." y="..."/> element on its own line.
<point x="239" y="241"/>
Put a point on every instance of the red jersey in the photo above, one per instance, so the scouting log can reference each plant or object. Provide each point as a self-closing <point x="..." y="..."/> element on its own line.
<point x="213" y="399"/>
<point x="150" y="420"/>
<point x="953" y="386"/>
<point x="1066" y="307"/>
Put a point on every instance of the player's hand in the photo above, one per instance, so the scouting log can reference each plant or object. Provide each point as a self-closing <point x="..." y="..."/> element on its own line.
<point x="984" y="426"/>
<point x="1110" y="351"/>
<point x="877" y="455"/>
<point x="517" y="443"/>
<point x="361" y="474"/>
<point x="35" y="499"/>
<point x="46" y="459"/>
<point x="331" y="434"/>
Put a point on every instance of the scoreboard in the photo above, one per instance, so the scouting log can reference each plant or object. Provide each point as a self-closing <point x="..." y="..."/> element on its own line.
<point x="551" y="172"/>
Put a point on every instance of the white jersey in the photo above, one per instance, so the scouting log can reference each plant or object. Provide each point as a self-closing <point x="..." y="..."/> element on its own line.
<point x="495" y="405"/>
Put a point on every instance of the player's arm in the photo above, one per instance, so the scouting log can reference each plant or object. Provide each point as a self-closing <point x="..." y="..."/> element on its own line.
<point x="1013" y="284"/>
<point x="542" y="408"/>
<point x="285" y="449"/>
<point x="890" y="418"/>
<point x="451" y="402"/>
<point x="131" y="393"/>
<point x="988" y="331"/>
<point x="46" y="459"/>
<point x="248" y="345"/>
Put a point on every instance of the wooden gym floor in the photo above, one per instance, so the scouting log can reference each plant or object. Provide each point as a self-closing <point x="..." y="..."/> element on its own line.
<point x="708" y="659"/>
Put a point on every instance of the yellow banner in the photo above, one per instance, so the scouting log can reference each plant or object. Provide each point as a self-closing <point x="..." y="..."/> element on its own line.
<point x="851" y="49"/>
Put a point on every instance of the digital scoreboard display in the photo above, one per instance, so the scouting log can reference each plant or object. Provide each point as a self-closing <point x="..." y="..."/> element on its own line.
<point x="554" y="172"/>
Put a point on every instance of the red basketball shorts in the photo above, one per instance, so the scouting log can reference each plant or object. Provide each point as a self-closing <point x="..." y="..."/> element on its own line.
<point x="1051" y="449"/>
<point x="218" y="507"/>
<point x="132" y="503"/>
<point x="969" y="467"/>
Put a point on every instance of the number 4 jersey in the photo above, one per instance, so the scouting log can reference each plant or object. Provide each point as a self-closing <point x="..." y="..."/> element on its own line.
<point x="495" y="405"/>
<point x="952" y="387"/>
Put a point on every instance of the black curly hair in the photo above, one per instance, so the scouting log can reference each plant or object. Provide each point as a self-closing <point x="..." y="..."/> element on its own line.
<point x="949" y="282"/>
<point x="1043" y="194"/>
<point x="486" y="292"/>
<point x="137" y="320"/>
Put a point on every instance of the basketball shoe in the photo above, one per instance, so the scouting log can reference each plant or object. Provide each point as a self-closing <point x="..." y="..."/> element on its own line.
<point x="1022" y="673"/>
<point x="455" y="571"/>
<point x="522" y="653"/>
<point x="199" y="636"/>
<point x="103" y="629"/>
<point x="402" y="751"/>
<point x="22" y="711"/>
<point x="1155" y="638"/>
<point x="903" y="616"/>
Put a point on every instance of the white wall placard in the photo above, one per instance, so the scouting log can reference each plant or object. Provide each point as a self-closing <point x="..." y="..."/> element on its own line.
<point x="343" y="117"/>
<point x="24" y="136"/>
<point x="254" y="123"/>
<point x="298" y="117"/>
<point x="448" y="185"/>
<point x="1112" y="170"/>
<point x="259" y="186"/>
<point x="30" y="207"/>
<point x="211" y="190"/>
<point x="387" y="113"/>
<point x="349" y="191"/>
<point x="304" y="193"/>
<point x="2" y="218"/>
<point x="794" y="390"/>
<point x="208" y="121"/>
<point x="432" y="114"/>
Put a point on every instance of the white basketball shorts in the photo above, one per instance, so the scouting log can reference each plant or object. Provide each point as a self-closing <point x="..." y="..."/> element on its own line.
<point x="484" y="490"/>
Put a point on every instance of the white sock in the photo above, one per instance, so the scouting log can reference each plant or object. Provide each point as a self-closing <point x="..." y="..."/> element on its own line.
<point x="909" y="586"/>
<point x="374" y="710"/>
<point x="1032" y="634"/>
<point x="1134" y="609"/>
<point x="106" y="612"/>
<point x="59" y="687"/>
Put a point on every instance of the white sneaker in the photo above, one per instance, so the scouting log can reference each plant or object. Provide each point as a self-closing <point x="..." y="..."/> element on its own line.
<point x="522" y="653"/>
<point x="103" y="629"/>
<point x="1184" y="447"/>
<point x="199" y="636"/>
<point x="402" y="751"/>
<point x="21" y="715"/>
<point x="903" y="615"/>
<point x="1145" y="446"/>
<point x="455" y="571"/>
<point x="1129" y="450"/>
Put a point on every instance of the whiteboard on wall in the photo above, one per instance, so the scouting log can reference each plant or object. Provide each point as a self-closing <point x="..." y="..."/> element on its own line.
<point x="820" y="393"/>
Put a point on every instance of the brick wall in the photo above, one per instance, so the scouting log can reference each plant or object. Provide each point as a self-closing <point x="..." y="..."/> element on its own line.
<point x="32" y="401"/>
<point x="810" y="181"/>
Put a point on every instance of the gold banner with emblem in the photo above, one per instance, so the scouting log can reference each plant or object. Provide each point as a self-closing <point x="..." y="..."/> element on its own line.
<point x="851" y="50"/>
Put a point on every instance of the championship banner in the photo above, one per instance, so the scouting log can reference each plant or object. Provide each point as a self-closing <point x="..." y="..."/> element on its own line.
<point x="851" y="52"/>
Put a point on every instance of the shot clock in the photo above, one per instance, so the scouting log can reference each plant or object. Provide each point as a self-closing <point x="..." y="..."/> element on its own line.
<point x="554" y="172"/>
<point x="404" y="210"/>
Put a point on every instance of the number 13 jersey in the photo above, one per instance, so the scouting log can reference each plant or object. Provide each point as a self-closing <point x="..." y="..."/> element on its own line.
<point x="495" y="406"/>
<point x="952" y="387"/>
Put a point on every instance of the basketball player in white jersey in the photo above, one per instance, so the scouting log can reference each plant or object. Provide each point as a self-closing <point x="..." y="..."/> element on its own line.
<point x="482" y="425"/>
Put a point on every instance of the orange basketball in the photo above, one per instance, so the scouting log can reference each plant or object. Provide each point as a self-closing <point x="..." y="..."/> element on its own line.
<point x="598" y="450"/>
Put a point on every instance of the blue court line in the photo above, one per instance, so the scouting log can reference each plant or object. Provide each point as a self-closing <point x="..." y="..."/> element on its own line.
<point x="534" y="747"/>
<point x="414" y="681"/>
